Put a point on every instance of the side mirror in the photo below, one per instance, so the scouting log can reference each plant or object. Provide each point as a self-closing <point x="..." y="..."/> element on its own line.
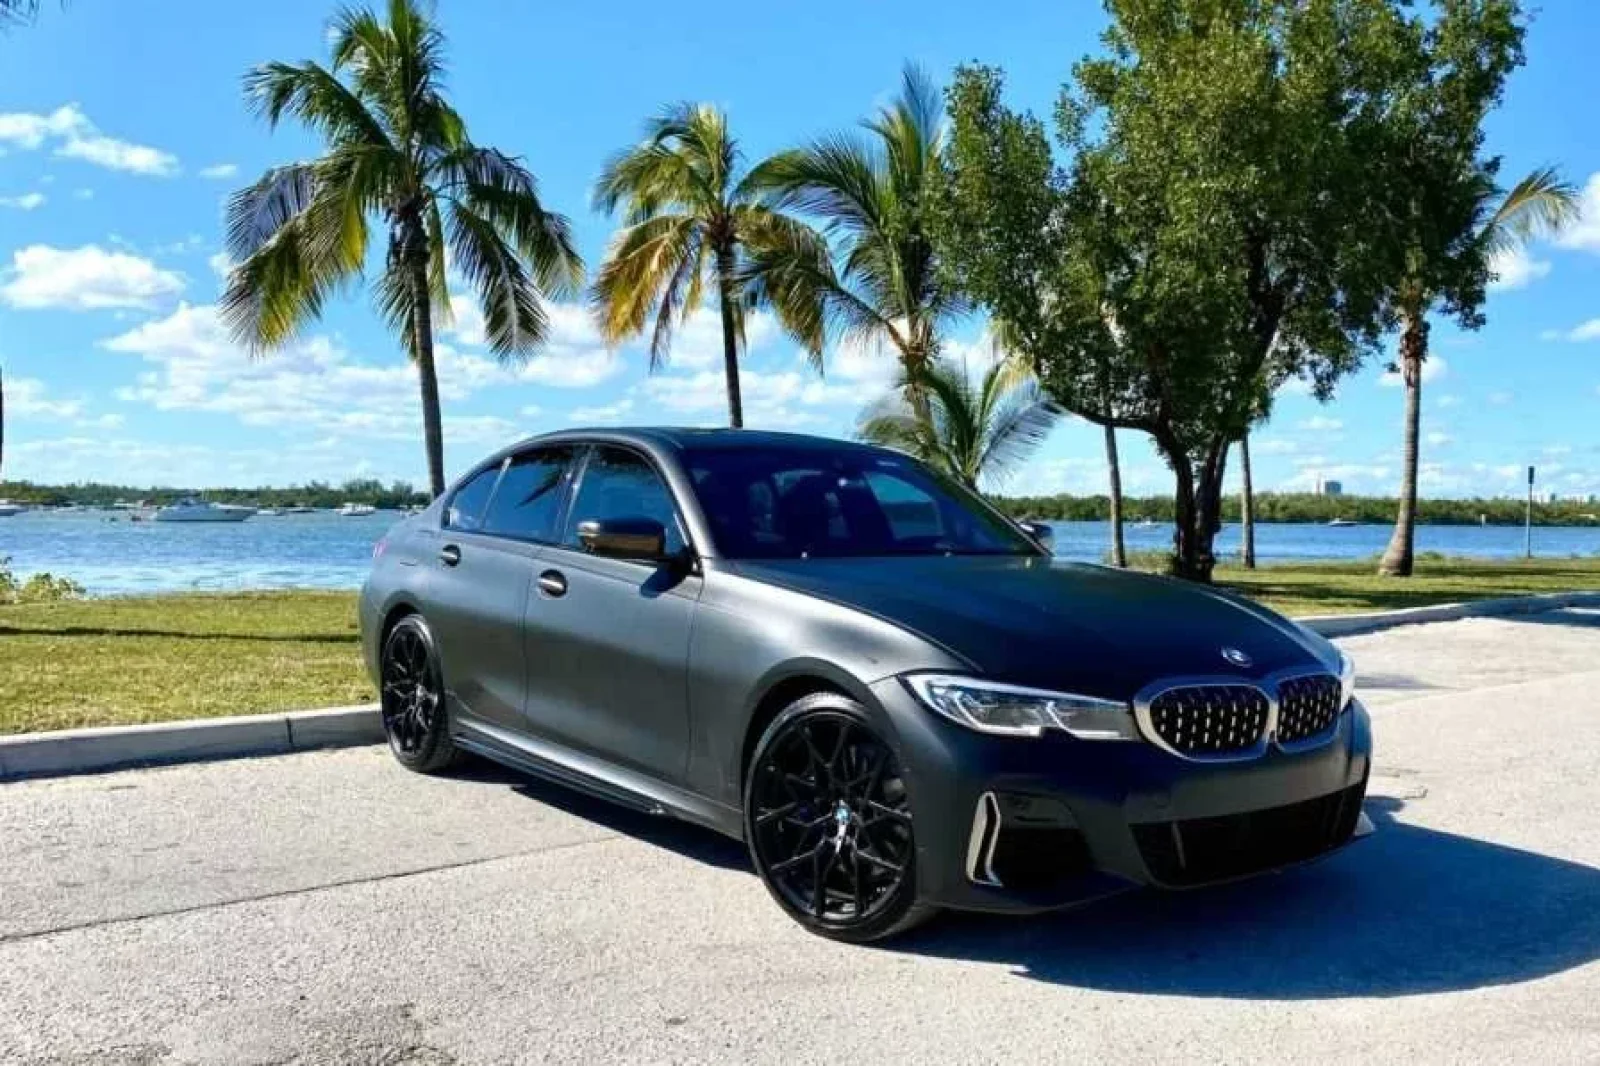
<point x="1040" y="532"/>
<point x="643" y="539"/>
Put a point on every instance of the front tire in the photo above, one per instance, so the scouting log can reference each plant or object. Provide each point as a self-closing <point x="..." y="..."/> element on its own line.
<point x="829" y="825"/>
<point x="412" y="698"/>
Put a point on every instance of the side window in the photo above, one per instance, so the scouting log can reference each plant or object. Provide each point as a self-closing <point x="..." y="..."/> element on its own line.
<point x="527" y="503"/>
<point x="912" y="513"/>
<point x="618" y="483"/>
<point x="466" y="506"/>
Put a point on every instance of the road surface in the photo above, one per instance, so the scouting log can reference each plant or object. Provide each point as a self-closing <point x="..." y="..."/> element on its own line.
<point x="331" y="908"/>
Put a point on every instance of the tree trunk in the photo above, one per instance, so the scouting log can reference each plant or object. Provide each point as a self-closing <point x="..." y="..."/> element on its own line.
<point x="2" y="422"/>
<point x="1398" y="557"/>
<point x="1197" y="508"/>
<point x="414" y="250"/>
<point x="1247" y="508"/>
<point x="730" y="341"/>
<point x="1119" y="550"/>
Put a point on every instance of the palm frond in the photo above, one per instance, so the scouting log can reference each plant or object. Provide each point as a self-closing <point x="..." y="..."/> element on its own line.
<point x="642" y="269"/>
<point x="787" y="266"/>
<point x="255" y="214"/>
<point x="514" y="317"/>
<point x="498" y="188"/>
<point x="313" y="95"/>
<point x="1542" y="203"/>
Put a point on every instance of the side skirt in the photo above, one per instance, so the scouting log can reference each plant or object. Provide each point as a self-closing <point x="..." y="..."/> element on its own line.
<point x="594" y="776"/>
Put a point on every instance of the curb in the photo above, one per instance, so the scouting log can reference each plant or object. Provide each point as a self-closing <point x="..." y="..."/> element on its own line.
<point x="1349" y="625"/>
<point x="81" y="751"/>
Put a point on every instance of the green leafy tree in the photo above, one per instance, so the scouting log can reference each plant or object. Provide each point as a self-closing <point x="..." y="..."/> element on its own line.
<point x="398" y="153"/>
<point x="1213" y="235"/>
<point x="1496" y="223"/>
<point x="694" y="217"/>
<point x="969" y="429"/>
<point x="870" y="195"/>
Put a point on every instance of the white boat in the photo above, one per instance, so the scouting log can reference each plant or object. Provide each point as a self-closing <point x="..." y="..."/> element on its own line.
<point x="10" y="507"/>
<point x="356" y="510"/>
<point x="1340" y="522"/>
<point x="192" y="510"/>
<point x="269" y="512"/>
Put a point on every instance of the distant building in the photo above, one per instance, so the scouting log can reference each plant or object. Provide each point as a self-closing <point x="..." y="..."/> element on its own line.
<point x="1329" y="488"/>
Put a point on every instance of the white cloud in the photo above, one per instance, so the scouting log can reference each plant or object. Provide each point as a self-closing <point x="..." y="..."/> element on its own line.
<point x="1556" y="449"/>
<point x="220" y="264"/>
<point x="73" y="136"/>
<point x="871" y="364"/>
<point x="28" y="201"/>
<point x="1449" y="401"/>
<point x="771" y="400"/>
<point x="1500" y="398"/>
<point x="1433" y="368"/>
<point x="84" y="278"/>
<point x="1322" y="424"/>
<point x="1273" y="446"/>
<point x="573" y="356"/>
<point x="1516" y="269"/>
<point x="601" y="413"/>
<point x="1585" y="233"/>
<point x="27" y="398"/>
<point x="219" y="171"/>
<point x="1440" y="440"/>
<point x="83" y="194"/>
<point x="1587" y="331"/>
<point x="697" y="343"/>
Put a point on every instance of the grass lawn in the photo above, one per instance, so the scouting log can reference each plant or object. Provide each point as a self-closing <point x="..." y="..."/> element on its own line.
<point x="146" y="659"/>
<point x="1344" y="588"/>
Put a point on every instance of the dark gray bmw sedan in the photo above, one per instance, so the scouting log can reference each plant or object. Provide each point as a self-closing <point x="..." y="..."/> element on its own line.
<point x="892" y="693"/>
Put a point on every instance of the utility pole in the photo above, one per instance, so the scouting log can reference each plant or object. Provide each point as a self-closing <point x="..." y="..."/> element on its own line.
<point x="1527" y="521"/>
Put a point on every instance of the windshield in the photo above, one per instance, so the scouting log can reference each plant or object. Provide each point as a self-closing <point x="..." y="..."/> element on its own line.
<point x="798" y="503"/>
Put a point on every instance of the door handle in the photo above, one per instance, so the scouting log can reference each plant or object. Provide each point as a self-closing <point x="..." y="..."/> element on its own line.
<point x="449" y="555"/>
<point x="553" y="583"/>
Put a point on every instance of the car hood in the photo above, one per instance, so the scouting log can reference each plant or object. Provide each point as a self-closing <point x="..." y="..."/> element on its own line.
<point x="1059" y="625"/>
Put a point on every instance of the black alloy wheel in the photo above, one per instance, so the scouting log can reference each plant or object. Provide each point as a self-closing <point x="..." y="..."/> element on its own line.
<point x="829" y="823"/>
<point x="412" y="700"/>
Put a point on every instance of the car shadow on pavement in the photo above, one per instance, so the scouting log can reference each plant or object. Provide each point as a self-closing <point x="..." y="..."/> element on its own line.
<point x="1408" y="911"/>
<point x="691" y="841"/>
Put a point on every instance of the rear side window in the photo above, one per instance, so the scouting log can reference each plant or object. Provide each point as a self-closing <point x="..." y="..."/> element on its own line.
<point x="467" y="505"/>
<point x="527" y="505"/>
<point x="618" y="483"/>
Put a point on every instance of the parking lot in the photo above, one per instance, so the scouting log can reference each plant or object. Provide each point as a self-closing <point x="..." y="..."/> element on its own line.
<point x="329" y="907"/>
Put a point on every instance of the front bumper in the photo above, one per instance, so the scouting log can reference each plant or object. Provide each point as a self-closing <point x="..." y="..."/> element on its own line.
<point x="1083" y="819"/>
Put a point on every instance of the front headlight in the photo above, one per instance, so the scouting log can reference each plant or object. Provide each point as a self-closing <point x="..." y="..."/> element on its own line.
<point x="1347" y="680"/>
<point x="1010" y="710"/>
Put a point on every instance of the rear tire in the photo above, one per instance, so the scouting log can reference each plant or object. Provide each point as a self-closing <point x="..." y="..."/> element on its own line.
<point x="412" y="699"/>
<point x="828" y="822"/>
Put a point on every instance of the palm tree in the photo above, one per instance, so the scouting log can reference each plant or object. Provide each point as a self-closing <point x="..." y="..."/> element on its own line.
<point x="1540" y="203"/>
<point x="1119" y="548"/>
<point x="17" y="11"/>
<point x="1247" y="507"/>
<point x="968" y="430"/>
<point x="869" y="194"/>
<point x="694" y="218"/>
<point x="396" y="151"/>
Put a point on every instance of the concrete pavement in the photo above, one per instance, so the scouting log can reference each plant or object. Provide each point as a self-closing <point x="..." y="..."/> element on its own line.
<point x="329" y="907"/>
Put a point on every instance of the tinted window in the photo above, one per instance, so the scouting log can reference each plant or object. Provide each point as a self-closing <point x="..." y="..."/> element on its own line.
<point x="785" y="503"/>
<point x="527" y="503"/>
<point x="466" y="506"/>
<point x="618" y="483"/>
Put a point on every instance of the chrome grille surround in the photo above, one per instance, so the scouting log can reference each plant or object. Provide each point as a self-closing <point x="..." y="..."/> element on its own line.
<point x="1154" y="701"/>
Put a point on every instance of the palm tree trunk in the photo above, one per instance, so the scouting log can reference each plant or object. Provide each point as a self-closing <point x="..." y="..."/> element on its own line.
<point x="730" y="340"/>
<point x="1398" y="558"/>
<point x="414" y="247"/>
<point x="1119" y="550"/>
<point x="1247" y="507"/>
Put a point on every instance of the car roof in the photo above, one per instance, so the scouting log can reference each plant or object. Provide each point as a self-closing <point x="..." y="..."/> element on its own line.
<point x="686" y="437"/>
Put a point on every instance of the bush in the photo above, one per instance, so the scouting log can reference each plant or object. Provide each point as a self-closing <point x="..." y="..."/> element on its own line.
<point x="40" y="588"/>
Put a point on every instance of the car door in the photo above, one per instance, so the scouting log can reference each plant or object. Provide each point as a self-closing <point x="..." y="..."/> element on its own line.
<point x="488" y="551"/>
<point x="608" y="639"/>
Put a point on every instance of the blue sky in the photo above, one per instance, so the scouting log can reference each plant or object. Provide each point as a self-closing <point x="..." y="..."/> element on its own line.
<point x="122" y="129"/>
